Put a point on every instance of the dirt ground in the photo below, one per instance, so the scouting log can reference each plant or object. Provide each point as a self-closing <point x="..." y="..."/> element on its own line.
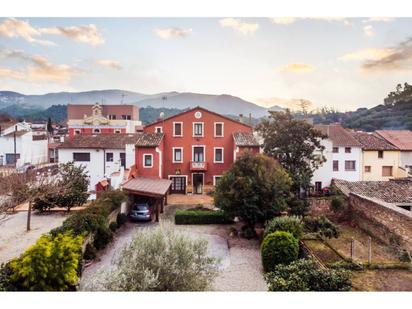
<point x="322" y="251"/>
<point x="382" y="280"/>
<point x="190" y="200"/>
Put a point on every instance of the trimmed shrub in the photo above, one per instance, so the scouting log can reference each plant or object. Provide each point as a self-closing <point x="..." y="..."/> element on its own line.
<point x="121" y="219"/>
<point x="323" y="226"/>
<point x="6" y="284"/>
<point x="90" y="252"/>
<point x="113" y="226"/>
<point x="278" y="248"/>
<point x="293" y="225"/>
<point x="201" y="217"/>
<point x="336" y="204"/>
<point x="298" y="207"/>
<point x="305" y="275"/>
<point x="102" y="237"/>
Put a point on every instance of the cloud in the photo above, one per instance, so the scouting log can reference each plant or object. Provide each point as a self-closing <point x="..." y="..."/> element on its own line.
<point x="291" y="20"/>
<point x="368" y="30"/>
<point x="367" y="54"/>
<point x="172" y="32"/>
<point x="283" y="20"/>
<point x="112" y="64"/>
<point x="378" y="19"/>
<point x="239" y="26"/>
<point x="14" y="28"/>
<point x="88" y="34"/>
<point x="400" y="58"/>
<point x="297" y="68"/>
<point x="39" y="68"/>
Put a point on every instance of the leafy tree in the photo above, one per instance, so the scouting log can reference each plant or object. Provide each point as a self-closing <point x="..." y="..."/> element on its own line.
<point x="278" y="248"/>
<point x="305" y="275"/>
<point x="49" y="126"/>
<point x="159" y="259"/>
<point x="51" y="264"/>
<point x="254" y="189"/>
<point x="293" y="144"/>
<point x="293" y="225"/>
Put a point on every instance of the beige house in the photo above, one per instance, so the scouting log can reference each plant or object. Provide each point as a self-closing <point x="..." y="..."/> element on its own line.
<point x="380" y="159"/>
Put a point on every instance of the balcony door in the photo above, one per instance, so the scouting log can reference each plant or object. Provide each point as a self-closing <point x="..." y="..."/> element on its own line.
<point x="199" y="154"/>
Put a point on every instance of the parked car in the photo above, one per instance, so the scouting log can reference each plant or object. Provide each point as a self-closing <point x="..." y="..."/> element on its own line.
<point x="141" y="211"/>
<point x="25" y="168"/>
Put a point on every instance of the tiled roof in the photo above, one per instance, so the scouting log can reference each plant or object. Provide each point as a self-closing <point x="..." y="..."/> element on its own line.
<point x="370" y="141"/>
<point x="392" y="191"/>
<point x="339" y="135"/>
<point x="18" y="133"/>
<point x="399" y="138"/>
<point x="101" y="141"/>
<point x="147" y="139"/>
<point x="244" y="139"/>
<point x="150" y="186"/>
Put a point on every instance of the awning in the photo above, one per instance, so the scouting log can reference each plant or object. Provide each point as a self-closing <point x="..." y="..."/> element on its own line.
<point x="145" y="186"/>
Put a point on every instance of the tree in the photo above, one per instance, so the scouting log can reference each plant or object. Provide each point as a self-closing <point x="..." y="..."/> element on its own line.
<point x="293" y="143"/>
<point x="159" y="259"/>
<point x="49" y="126"/>
<point x="51" y="264"/>
<point x="279" y="247"/>
<point x="254" y="189"/>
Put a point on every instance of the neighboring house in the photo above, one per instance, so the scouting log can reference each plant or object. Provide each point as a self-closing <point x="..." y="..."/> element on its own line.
<point x="20" y="144"/>
<point x="101" y="119"/>
<point x="102" y="154"/>
<point x="343" y="157"/>
<point x="402" y="139"/>
<point x="380" y="159"/>
<point x="193" y="149"/>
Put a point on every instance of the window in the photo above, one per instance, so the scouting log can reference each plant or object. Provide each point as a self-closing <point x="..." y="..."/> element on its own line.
<point x="198" y="129"/>
<point x="216" y="180"/>
<point x="350" y="165"/>
<point x="348" y="150"/>
<point x="77" y="132"/>
<point x="112" y="117"/>
<point x="335" y="165"/>
<point x="117" y="131"/>
<point x="368" y="169"/>
<point x="177" y="129"/>
<point x="147" y="160"/>
<point x="218" y="129"/>
<point x="380" y="154"/>
<point x="109" y="156"/>
<point x="81" y="156"/>
<point x="386" y="171"/>
<point x="218" y="155"/>
<point x="96" y="131"/>
<point x="198" y="154"/>
<point x="126" y="117"/>
<point x="335" y="149"/>
<point x="158" y="129"/>
<point x="177" y="154"/>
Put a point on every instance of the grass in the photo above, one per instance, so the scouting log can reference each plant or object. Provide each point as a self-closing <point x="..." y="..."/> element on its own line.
<point x="382" y="280"/>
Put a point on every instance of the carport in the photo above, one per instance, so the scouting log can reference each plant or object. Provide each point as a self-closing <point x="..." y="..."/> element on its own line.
<point x="154" y="188"/>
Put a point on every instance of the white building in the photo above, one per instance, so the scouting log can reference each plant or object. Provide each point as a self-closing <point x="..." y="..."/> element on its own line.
<point x="20" y="144"/>
<point x="343" y="157"/>
<point x="101" y="154"/>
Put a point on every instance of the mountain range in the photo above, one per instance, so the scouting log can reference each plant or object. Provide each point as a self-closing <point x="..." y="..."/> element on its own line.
<point x="223" y="104"/>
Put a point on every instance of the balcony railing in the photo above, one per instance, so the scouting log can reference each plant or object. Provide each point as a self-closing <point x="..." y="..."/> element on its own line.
<point x="198" y="166"/>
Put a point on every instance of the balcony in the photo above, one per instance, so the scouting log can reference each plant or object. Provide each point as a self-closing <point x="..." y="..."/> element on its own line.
<point x="198" y="166"/>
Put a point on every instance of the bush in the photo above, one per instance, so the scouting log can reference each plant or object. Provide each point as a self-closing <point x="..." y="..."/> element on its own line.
<point x="159" y="259"/>
<point x="323" y="226"/>
<point x="248" y="232"/>
<point x="102" y="237"/>
<point x="291" y="224"/>
<point x="121" y="219"/>
<point x="6" y="284"/>
<point x="90" y="252"/>
<point x="336" y="205"/>
<point x="298" y="207"/>
<point x="115" y="198"/>
<point x="278" y="248"/>
<point x="201" y="217"/>
<point x="113" y="226"/>
<point x="51" y="264"/>
<point x="305" y="275"/>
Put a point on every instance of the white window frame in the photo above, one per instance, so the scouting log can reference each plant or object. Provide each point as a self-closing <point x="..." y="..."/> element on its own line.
<point x="214" y="178"/>
<point x="161" y="129"/>
<point x="144" y="161"/>
<point x="203" y="129"/>
<point x="173" y="154"/>
<point x="193" y="152"/>
<point x="223" y="129"/>
<point x="214" y="155"/>
<point x="181" y="128"/>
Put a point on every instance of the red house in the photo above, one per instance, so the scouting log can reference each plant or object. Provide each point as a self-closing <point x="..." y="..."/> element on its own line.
<point x="193" y="149"/>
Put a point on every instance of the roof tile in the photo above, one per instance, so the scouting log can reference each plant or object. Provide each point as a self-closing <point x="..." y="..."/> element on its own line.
<point x="370" y="141"/>
<point x="339" y="135"/>
<point x="102" y="141"/>
<point x="244" y="139"/>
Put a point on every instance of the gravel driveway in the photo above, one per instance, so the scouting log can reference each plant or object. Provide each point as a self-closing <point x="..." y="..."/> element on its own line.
<point x="14" y="239"/>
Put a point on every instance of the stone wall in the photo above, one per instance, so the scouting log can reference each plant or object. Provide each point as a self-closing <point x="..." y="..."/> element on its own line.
<point x="318" y="206"/>
<point x="389" y="223"/>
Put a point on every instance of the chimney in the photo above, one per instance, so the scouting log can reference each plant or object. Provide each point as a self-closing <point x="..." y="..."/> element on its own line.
<point x="240" y="117"/>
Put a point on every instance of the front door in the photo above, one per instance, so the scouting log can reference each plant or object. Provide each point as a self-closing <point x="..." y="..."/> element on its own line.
<point x="178" y="184"/>
<point x="198" y="183"/>
<point x="123" y="159"/>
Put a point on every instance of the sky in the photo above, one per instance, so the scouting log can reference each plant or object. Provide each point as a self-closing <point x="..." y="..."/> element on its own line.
<point x="344" y="63"/>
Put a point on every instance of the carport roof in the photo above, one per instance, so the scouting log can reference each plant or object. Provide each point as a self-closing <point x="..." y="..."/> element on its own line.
<point x="147" y="186"/>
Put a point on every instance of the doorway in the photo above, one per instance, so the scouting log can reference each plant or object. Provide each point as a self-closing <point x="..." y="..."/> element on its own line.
<point x="197" y="183"/>
<point x="178" y="185"/>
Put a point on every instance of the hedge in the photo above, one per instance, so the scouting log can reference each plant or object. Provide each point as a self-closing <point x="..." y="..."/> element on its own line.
<point x="201" y="217"/>
<point x="278" y="248"/>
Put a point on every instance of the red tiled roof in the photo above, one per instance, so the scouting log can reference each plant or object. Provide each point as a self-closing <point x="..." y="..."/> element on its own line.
<point x="372" y="142"/>
<point x="339" y="135"/>
<point x="399" y="138"/>
<point x="149" y="186"/>
<point x="147" y="139"/>
<point x="244" y="139"/>
<point x="101" y="141"/>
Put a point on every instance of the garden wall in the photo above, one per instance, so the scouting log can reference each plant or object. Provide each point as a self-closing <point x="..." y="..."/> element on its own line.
<point x="390" y="224"/>
<point x="319" y="206"/>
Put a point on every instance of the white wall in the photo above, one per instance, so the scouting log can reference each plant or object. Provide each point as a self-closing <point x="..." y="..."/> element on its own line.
<point x="406" y="159"/>
<point x="324" y="172"/>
